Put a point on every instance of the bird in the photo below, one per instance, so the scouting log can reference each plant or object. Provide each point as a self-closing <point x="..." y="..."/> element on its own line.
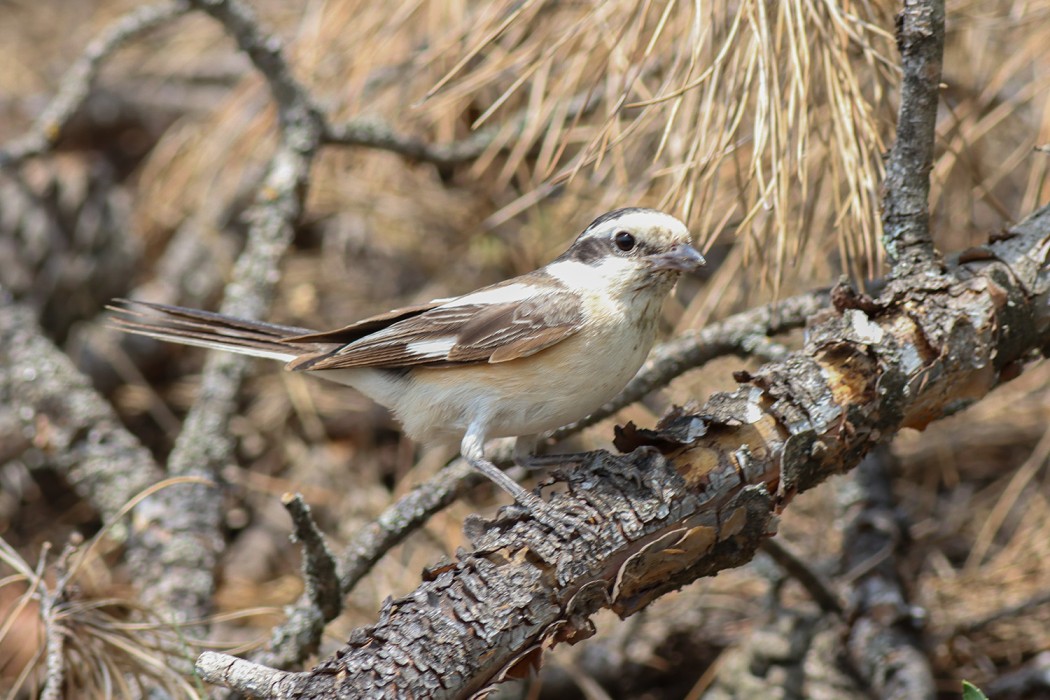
<point x="515" y="359"/>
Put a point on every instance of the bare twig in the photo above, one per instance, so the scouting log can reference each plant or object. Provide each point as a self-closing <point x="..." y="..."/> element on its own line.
<point x="816" y="585"/>
<point x="739" y="334"/>
<point x="301" y="122"/>
<point x="906" y="188"/>
<point x="322" y="582"/>
<point x="300" y="634"/>
<point x="247" y="677"/>
<point x="373" y="133"/>
<point x="78" y="79"/>
<point x="55" y="632"/>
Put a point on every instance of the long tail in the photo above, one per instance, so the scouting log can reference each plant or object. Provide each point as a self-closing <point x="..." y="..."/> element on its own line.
<point x="206" y="329"/>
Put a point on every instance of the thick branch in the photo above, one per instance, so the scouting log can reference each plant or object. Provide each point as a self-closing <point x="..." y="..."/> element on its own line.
<point x="299" y="635"/>
<point x="906" y="189"/>
<point x="652" y="523"/>
<point x="59" y="416"/>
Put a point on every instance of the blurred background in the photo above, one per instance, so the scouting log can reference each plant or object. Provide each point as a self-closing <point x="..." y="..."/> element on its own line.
<point x="763" y="125"/>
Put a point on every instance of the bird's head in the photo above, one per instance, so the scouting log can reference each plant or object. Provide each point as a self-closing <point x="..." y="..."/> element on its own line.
<point x="630" y="250"/>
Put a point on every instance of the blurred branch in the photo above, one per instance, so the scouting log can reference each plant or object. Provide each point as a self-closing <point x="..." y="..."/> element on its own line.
<point x="78" y="80"/>
<point x="816" y="585"/>
<point x="906" y="188"/>
<point x="301" y="124"/>
<point x="185" y="522"/>
<point x="64" y="419"/>
<point x="372" y="133"/>
<point x="651" y="523"/>
<point x="884" y="643"/>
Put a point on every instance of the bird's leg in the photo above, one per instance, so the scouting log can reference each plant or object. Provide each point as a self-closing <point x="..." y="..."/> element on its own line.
<point x="472" y="449"/>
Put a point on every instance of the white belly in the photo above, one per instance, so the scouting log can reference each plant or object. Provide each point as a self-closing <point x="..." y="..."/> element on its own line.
<point x="531" y="395"/>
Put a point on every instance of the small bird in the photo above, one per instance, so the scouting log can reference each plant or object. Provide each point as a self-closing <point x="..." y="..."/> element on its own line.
<point x="514" y="359"/>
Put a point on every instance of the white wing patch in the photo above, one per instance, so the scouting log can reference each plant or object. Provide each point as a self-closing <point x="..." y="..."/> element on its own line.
<point x="500" y="295"/>
<point x="434" y="347"/>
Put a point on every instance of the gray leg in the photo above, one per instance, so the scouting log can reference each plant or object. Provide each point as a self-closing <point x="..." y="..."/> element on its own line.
<point x="473" y="450"/>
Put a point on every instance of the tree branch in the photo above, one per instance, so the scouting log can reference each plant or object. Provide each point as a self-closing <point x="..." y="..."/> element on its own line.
<point x="185" y="521"/>
<point x="884" y="643"/>
<point x="738" y="334"/>
<point x="78" y="80"/>
<point x="906" y="188"/>
<point x="64" y="420"/>
<point x="300" y="634"/>
<point x="653" y="522"/>
<point x="372" y="133"/>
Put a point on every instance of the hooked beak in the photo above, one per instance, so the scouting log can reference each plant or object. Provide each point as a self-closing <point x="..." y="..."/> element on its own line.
<point x="682" y="258"/>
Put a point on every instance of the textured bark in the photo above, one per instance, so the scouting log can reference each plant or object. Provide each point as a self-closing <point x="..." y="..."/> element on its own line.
<point x="651" y="523"/>
<point x="906" y="188"/>
<point x="62" y="421"/>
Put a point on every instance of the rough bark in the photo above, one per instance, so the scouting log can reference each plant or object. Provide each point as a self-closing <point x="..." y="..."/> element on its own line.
<point x="56" y="418"/>
<point x="906" y="188"/>
<point x="653" y="522"/>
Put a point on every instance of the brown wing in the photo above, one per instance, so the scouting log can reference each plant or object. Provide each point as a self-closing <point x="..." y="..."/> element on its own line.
<point x="454" y="334"/>
<point x="355" y="331"/>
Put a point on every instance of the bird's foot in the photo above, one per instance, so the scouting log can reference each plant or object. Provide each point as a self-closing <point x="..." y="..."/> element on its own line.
<point x="535" y="462"/>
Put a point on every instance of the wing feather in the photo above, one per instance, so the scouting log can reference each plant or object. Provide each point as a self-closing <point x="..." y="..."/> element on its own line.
<point x="456" y="334"/>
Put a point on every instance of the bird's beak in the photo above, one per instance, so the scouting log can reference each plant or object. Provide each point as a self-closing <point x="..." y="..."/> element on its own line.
<point x="683" y="258"/>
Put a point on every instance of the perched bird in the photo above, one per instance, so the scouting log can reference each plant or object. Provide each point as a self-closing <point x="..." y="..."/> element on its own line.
<point x="514" y="359"/>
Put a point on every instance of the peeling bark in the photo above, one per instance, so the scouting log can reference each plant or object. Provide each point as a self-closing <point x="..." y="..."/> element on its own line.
<point x="702" y="492"/>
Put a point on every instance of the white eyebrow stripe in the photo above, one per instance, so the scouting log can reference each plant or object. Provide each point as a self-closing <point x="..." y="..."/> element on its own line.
<point x="499" y="295"/>
<point x="433" y="347"/>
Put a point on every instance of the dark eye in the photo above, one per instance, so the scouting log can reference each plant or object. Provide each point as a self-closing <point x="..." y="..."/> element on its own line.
<point x="624" y="241"/>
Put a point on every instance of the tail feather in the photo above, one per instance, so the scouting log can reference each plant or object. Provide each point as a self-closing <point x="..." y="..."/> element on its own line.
<point x="209" y="330"/>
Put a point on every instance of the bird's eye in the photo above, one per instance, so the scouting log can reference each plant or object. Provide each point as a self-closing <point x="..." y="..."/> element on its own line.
<point x="624" y="241"/>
